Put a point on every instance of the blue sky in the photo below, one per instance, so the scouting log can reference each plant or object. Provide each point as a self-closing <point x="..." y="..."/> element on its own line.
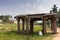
<point x="17" y="7"/>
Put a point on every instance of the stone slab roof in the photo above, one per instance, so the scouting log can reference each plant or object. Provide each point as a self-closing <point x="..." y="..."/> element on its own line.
<point x="37" y="15"/>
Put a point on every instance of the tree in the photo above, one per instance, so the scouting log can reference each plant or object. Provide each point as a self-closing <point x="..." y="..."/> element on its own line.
<point x="5" y="18"/>
<point x="54" y="9"/>
<point x="48" y="23"/>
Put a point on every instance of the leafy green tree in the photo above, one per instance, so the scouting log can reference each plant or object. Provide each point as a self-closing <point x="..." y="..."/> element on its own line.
<point x="48" y="23"/>
<point x="5" y="18"/>
<point x="54" y="9"/>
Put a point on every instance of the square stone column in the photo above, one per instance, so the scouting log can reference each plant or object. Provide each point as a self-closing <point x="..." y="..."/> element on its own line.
<point x="23" y="21"/>
<point x="53" y="25"/>
<point x="27" y="24"/>
<point x="44" y="27"/>
<point x="18" y="24"/>
<point x="31" y="26"/>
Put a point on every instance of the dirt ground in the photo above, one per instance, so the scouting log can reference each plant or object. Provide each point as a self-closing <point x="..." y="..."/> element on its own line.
<point x="57" y="36"/>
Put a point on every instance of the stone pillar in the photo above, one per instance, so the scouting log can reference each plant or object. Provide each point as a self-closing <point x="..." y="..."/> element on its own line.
<point x="31" y="26"/>
<point x="23" y="24"/>
<point x="18" y="24"/>
<point x="44" y="27"/>
<point x="53" y="25"/>
<point x="27" y="24"/>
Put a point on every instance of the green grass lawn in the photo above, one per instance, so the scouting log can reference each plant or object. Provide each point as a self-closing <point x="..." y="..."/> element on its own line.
<point x="9" y="32"/>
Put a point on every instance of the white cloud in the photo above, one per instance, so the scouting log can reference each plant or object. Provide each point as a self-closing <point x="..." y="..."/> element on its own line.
<point x="28" y="4"/>
<point x="40" y="6"/>
<point x="28" y="8"/>
<point x="38" y="1"/>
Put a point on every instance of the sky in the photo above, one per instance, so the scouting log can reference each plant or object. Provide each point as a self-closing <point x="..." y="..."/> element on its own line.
<point x="18" y="7"/>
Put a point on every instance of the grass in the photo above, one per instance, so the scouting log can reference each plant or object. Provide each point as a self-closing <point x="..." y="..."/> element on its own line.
<point x="9" y="32"/>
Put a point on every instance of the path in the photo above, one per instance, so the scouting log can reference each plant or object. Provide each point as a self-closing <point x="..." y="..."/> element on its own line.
<point x="57" y="36"/>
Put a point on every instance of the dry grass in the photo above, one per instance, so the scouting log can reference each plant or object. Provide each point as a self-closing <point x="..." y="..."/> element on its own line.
<point x="9" y="32"/>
